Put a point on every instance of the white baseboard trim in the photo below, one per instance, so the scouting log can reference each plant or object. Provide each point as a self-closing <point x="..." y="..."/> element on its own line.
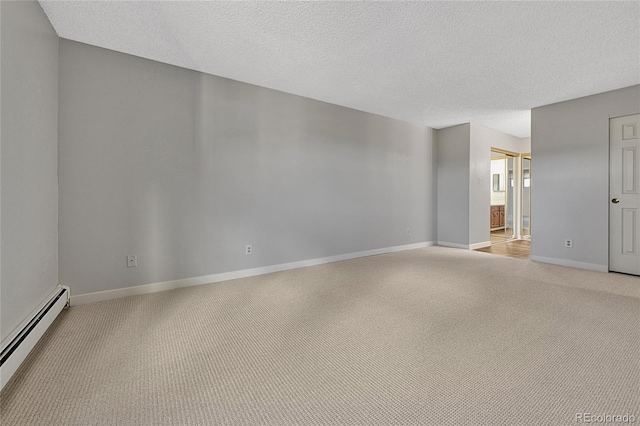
<point x="100" y="296"/>
<point x="571" y="263"/>
<point x="453" y="245"/>
<point x="24" y="338"/>
<point x="479" y="245"/>
<point x="465" y="246"/>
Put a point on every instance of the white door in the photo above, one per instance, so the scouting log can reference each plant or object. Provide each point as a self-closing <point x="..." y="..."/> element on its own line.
<point x="624" y="192"/>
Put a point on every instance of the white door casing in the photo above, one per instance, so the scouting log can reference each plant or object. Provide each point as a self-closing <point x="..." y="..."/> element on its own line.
<point x="624" y="194"/>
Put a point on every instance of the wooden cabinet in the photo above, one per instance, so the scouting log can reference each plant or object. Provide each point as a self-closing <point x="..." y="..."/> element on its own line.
<point x="497" y="217"/>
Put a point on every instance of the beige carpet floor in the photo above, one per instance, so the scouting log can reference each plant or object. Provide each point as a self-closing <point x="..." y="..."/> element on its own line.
<point x="432" y="336"/>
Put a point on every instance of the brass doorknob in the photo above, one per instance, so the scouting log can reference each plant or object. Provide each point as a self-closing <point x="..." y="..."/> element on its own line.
<point x="615" y="201"/>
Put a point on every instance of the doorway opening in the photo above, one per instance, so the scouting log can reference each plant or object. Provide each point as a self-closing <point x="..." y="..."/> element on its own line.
<point x="526" y="196"/>
<point x="510" y="216"/>
<point x="503" y="196"/>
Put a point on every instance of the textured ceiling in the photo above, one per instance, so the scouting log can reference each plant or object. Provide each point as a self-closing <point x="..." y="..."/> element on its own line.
<point x="436" y="63"/>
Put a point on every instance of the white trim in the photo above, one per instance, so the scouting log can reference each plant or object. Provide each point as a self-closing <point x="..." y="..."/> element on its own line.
<point x="479" y="245"/>
<point x="571" y="263"/>
<point x="465" y="246"/>
<point x="453" y="245"/>
<point x="22" y="350"/>
<point x="32" y="314"/>
<point x="100" y="296"/>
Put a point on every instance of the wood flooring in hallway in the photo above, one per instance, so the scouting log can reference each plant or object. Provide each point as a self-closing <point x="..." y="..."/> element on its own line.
<point x="520" y="249"/>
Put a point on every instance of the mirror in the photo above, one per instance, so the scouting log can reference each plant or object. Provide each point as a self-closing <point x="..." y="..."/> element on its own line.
<point x="498" y="174"/>
<point x="496" y="182"/>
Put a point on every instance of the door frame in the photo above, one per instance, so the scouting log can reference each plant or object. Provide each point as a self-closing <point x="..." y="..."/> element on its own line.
<point x="523" y="156"/>
<point x="517" y="193"/>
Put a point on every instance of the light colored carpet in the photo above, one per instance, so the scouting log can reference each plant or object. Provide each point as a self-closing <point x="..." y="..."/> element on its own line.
<point x="433" y="336"/>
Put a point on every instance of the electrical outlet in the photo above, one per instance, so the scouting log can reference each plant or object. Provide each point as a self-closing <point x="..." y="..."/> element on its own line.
<point x="248" y="249"/>
<point x="568" y="243"/>
<point x="132" y="261"/>
<point x="408" y="231"/>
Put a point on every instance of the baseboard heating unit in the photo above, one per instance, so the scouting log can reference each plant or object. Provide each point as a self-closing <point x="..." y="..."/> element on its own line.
<point x="18" y="345"/>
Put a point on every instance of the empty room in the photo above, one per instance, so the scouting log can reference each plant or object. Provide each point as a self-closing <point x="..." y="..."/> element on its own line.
<point x="319" y="213"/>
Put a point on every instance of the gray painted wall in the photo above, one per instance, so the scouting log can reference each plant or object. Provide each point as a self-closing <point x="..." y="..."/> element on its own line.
<point x="453" y="184"/>
<point x="432" y="194"/>
<point x="482" y="140"/>
<point x="2" y="335"/>
<point x="183" y="169"/>
<point x="570" y="189"/>
<point x="29" y="182"/>
<point x="464" y="170"/>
